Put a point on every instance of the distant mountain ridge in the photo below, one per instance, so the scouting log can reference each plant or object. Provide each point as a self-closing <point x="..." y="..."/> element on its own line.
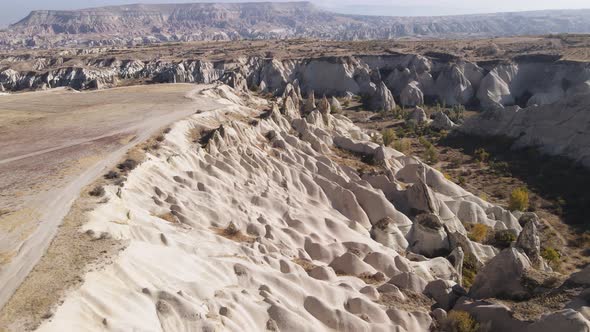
<point x="267" y="20"/>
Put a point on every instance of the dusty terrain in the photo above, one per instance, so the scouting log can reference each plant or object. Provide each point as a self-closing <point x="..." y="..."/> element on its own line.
<point x="56" y="142"/>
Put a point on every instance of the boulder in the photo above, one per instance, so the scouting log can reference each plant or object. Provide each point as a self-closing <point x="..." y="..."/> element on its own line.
<point x="384" y="153"/>
<point x="324" y="106"/>
<point x="501" y="277"/>
<point x="350" y="264"/>
<point x="323" y="273"/>
<point x="418" y="116"/>
<point x="335" y="105"/>
<point x="412" y="95"/>
<point x="382" y="99"/>
<point x="309" y="102"/>
<point x="581" y="278"/>
<point x="382" y="262"/>
<point x="420" y="198"/>
<point x="428" y="237"/>
<point x="444" y="292"/>
<point x="386" y="232"/>
<point x="480" y="252"/>
<point x="529" y="240"/>
<point x="456" y="258"/>
<point x="494" y="316"/>
<point x="409" y="281"/>
<point x="564" y="321"/>
<point x="442" y="122"/>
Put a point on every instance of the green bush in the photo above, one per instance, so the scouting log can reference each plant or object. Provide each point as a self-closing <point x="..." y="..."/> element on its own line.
<point x="519" y="199"/>
<point x="461" y="180"/>
<point x="469" y="270"/>
<point x="431" y="155"/>
<point x="460" y="321"/>
<point x="504" y="238"/>
<point x="402" y="145"/>
<point x="424" y="142"/>
<point x="481" y="155"/>
<point x="550" y="255"/>
<point x="389" y="136"/>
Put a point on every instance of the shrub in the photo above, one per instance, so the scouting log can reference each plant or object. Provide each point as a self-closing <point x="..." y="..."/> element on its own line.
<point x="519" y="199"/>
<point x="402" y="145"/>
<point x="98" y="191"/>
<point x="111" y="175"/>
<point x="460" y="321"/>
<point x="431" y="155"/>
<point x="550" y="255"/>
<point x="484" y="197"/>
<point x="231" y="229"/>
<point x="479" y="233"/>
<point x="461" y="180"/>
<point x="481" y="155"/>
<point x="500" y="168"/>
<point x="389" y="136"/>
<point x="127" y="165"/>
<point x="504" y="238"/>
<point x="469" y="270"/>
<point x="424" y="142"/>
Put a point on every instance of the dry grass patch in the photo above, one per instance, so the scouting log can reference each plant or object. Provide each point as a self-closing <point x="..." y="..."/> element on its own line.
<point x="460" y="321"/>
<point x="479" y="232"/>
<point x="413" y="301"/>
<point x="305" y="264"/>
<point x="231" y="232"/>
<point x="169" y="217"/>
<point x="372" y="279"/>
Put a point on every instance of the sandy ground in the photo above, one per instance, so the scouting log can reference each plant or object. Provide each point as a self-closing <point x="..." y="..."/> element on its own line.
<point x="54" y="143"/>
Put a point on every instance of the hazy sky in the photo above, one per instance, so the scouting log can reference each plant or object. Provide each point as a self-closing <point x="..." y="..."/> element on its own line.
<point x="12" y="11"/>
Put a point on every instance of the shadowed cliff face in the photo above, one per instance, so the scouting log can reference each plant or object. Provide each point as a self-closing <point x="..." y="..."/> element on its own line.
<point x="232" y="21"/>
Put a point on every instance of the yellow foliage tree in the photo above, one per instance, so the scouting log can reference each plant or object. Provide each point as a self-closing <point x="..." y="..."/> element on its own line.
<point x="519" y="199"/>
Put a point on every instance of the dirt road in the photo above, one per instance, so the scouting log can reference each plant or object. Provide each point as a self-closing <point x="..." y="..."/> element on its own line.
<point x="54" y="143"/>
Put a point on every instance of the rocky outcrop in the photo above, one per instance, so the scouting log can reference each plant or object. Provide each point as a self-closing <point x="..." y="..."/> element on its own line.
<point x="444" y="292"/>
<point x="442" y="122"/>
<point x="428" y="236"/>
<point x="564" y="320"/>
<point x="335" y="105"/>
<point x="495" y="89"/>
<point x="382" y="99"/>
<point x="501" y="277"/>
<point x="418" y="116"/>
<point x="556" y="133"/>
<point x="529" y="240"/>
<point x="309" y="105"/>
<point x="411" y="95"/>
